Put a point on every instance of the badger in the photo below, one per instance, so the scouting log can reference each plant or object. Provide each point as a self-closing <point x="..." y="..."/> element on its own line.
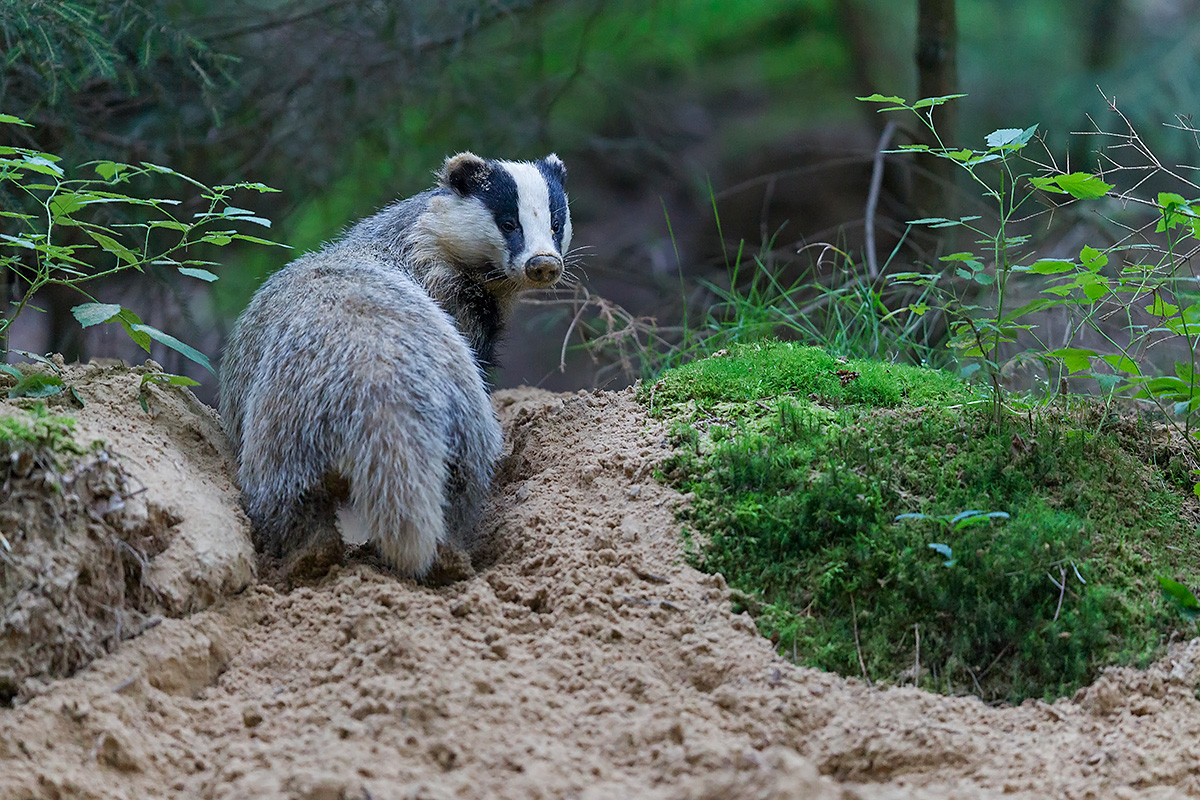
<point x="353" y="387"/>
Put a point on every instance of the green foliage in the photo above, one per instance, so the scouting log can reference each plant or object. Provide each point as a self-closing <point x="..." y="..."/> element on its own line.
<point x="761" y="369"/>
<point x="843" y="519"/>
<point x="72" y="241"/>
<point x="1141" y="307"/>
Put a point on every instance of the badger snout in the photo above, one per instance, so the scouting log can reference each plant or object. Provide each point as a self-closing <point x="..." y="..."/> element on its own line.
<point x="543" y="270"/>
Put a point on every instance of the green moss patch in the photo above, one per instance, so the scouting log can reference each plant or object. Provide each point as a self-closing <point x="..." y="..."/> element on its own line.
<point x="858" y="511"/>
<point x="24" y="435"/>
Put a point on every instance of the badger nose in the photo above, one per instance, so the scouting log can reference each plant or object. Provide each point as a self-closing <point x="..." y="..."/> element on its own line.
<point x="543" y="270"/>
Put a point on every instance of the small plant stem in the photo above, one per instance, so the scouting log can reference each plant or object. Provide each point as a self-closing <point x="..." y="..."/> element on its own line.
<point x="857" y="647"/>
<point x="1062" y="590"/>
<point x="917" y="656"/>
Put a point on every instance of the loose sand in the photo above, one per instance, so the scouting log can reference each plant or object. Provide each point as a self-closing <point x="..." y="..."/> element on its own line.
<point x="582" y="659"/>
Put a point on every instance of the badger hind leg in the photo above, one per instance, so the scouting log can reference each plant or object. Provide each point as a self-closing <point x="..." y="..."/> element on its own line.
<point x="284" y="489"/>
<point x="285" y="525"/>
<point x="397" y="473"/>
<point x="476" y="442"/>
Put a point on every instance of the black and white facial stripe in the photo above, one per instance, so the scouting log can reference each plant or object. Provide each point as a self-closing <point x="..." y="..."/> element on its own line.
<point x="527" y="203"/>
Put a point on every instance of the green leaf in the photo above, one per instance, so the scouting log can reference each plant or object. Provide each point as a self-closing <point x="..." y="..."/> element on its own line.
<point x="10" y="119"/>
<point x="170" y="341"/>
<point x="1092" y="258"/>
<point x="247" y="238"/>
<point x="879" y="98"/>
<point x="1161" y="308"/>
<point x="1095" y="287"/>
<point x="929" y="102"/>
<point x="1075" y="359"/>
<point x="1175" y="211"/>
<point x="113" y="246"/>
<point x="36" y="384"/>
<point x="63" y="204"/>
<point x="168" y="379"/>
<point x="1123" y="364"/>
<point x="1047" y="184"/>
<point x="128" y="320"/>
<point x="42" y="164"/>
<point x="950" y="223"/>
<point x="253" y="185"/>
<point x="1170" y="199"/>
<point x="1002" y="136"/>
<point x="1083" y="185"/>
<point x="1010" y="138"/>
<point x="202" y="274"/>
<point x="1180" y="595"/>
<point x="1051" y="266"/>
<point x="944" y="550"/>
<point x="90" y="314"/>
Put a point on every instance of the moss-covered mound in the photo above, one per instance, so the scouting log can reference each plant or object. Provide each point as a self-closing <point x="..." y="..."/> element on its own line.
<point x="881" y="522"/>
<point x="71" y="567"/>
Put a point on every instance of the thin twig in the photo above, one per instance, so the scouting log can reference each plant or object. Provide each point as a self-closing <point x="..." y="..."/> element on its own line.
<point x="1062" y="590"/>
<point x="917" y="657"/>
<point x="873" y="199"/>
<point x="854" y="620"/>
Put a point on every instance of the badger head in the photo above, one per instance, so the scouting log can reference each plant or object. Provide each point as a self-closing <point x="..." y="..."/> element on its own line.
<point x="507" y="220"/>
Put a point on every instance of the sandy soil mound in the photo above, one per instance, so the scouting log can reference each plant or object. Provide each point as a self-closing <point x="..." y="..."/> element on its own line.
<point x="96" y="549"/>
<point x="583" y="659"/>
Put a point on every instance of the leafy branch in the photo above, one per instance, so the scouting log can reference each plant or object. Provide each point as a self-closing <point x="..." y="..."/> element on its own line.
<point x="65" y="243"/>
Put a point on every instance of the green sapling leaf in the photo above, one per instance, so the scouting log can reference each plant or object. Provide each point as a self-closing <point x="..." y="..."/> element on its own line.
<point x="36" y="384"/>
<point x="170" y="341"/>
<point x="945" y="551"/>
<point x="116" y="248"/>
<point x="128" y="320"/>
<point x="1075" y="359"/>
<point x="1180" y="595"/>
<point x="929" y="102"/>
<point x="1051" y="266"/>
<point x="202" y="274"/>
<point x="1092" y="258"/>
<point x="1083" y="185"/>
<point x="90" y="314"/>
<point x="168" y="379"/>
<point x="1010" y="138"/>
<point x="1161" y="308"/>
<point x="1123" y="364"/>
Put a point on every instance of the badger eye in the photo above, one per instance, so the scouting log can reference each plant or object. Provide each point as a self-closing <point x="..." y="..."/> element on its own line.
<point x="554" y="226"/>
<point x="508" y="225"/>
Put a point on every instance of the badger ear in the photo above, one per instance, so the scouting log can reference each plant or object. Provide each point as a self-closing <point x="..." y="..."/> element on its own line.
<point x="463" y="174"/>
<point x="557" y="168"/>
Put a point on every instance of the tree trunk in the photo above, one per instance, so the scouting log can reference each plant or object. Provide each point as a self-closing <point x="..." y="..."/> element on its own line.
<point x="937" y="75"/>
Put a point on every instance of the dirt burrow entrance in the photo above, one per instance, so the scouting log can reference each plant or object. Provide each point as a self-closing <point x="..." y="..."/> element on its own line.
<point x="583" y="659"/>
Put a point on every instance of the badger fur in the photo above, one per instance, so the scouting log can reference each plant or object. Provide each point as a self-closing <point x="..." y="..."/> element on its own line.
<point x="356" y="371"/>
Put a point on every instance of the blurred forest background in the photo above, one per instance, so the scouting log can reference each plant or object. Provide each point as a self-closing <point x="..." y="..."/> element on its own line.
<point x="663" y="111"/>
